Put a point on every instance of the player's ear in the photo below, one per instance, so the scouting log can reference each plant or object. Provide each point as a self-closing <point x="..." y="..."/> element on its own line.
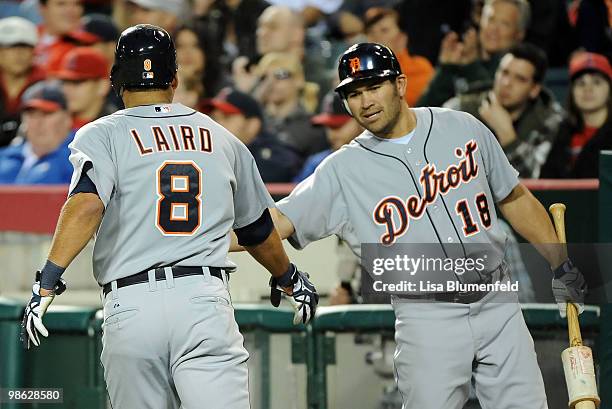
<point x="174" y="83"/>
<point x="400" y="84"/>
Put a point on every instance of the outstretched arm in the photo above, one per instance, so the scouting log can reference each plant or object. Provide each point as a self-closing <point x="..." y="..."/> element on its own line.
<point x="283" y="226"/>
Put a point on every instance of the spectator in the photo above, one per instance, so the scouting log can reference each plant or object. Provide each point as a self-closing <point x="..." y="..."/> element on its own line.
<point x="199" y="73"/>
<point x="469" y="58"/>
<point x="241" y="115"/>
<point x="340" y="129"/>
<point x="281" y="30"/>
<point x="162" y="13"/>
<point x="382" y="26"/>
<point x="230" y="25"/>
<point x="84" y="73"/>
<point x="521" y="113"/>
<point x="105" y="34"/>
<point x="282" y="93"/>
<point x="42" y="158"/>
<point x="17" y="71"/>
<point x="60" y="32"/>
<point x="587" y="129"/>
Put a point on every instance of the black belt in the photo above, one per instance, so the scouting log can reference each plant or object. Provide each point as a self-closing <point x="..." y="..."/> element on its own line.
<point x="465" y="297"/>
<point x="160" y="274"/>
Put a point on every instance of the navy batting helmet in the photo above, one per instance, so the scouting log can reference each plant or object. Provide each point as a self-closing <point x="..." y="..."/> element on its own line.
<point x="145" y="58"/>
<point x="365" y="61"/>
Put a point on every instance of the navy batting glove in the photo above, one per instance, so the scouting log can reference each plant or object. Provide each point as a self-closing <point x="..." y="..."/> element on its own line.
<point x="32" y="325"/>
<point x="568" y="285"/>
<point x="304" y="297"/>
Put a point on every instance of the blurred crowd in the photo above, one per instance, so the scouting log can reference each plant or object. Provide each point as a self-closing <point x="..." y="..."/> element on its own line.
<point x="537" y="73"/>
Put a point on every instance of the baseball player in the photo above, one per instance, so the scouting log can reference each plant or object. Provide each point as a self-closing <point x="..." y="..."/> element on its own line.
<point x="162" y="186"/>
<point x="432" y="175"/>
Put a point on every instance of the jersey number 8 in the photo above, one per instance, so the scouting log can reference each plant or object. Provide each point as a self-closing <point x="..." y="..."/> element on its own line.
<point x="179" y="189"/>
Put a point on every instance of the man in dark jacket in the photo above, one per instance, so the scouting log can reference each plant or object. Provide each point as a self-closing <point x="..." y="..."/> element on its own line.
<point x="241" y="115"/>
<point x="470" y="57"/>
<point x="524" y="116"/>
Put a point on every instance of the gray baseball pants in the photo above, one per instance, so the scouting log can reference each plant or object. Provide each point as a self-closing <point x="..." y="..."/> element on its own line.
<point x="174" y="343"/>
<point x="440" y="346"/>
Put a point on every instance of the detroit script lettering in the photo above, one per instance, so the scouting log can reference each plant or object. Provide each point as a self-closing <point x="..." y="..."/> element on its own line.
<point x="392" y="208"/>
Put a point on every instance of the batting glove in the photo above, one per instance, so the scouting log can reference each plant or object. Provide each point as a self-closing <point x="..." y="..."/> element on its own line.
<point x="568" y="285"/>
<point x="304" y="297"/>
<point x="32" y="325"/>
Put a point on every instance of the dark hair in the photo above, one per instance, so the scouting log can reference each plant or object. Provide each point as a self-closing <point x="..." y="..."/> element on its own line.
<point x="212" y="75"/>
<point x="535" y="55"/>
<point x="573" y="113"/>
<point x="375" y="14"/>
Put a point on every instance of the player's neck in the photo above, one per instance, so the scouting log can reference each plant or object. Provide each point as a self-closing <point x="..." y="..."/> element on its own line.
<point x="133" y="99"/>
<point x="405" y="124"/>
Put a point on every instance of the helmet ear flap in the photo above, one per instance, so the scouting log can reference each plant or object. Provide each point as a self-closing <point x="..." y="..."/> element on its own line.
<point x="346" y="105"/>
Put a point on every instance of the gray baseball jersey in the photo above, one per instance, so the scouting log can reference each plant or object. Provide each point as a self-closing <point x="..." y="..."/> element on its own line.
<point x="173" y="183"/>
<point x="440" y="187"/>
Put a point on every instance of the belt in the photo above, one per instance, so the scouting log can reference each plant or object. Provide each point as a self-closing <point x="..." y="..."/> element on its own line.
<point x="160" y="274"/>
<point x="461" y="297"/>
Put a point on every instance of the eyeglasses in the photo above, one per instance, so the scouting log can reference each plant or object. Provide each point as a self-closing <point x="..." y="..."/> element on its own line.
<point x="280" y="74"/>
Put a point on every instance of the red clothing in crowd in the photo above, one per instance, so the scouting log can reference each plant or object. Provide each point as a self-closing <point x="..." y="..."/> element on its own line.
<point x="11" y="105"/>
<point x="418" y="71"/>
<point x="579" y="139"/>
<point x="51" y="49"/>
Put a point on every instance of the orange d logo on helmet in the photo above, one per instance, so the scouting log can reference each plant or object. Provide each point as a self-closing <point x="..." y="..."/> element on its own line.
<point x="147" y="65"/>
<point x="355" y="64"/>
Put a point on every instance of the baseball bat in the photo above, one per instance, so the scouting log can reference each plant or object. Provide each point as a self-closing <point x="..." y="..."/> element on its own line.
<point x="573" y="325"/>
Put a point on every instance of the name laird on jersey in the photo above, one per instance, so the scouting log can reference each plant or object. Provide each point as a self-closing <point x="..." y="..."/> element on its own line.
<point x="392" y="209"/>
<point x="173" y="139"/>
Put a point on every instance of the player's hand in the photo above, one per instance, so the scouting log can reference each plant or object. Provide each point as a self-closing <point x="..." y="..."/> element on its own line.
<point x="301" y="293"/>
<point x="568" y="285"/>
<point x="32" y="325"/>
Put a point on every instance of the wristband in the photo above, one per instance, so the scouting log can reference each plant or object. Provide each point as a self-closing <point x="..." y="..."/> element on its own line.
<point x="286" y="279"/>
<point x="50" y="275"/>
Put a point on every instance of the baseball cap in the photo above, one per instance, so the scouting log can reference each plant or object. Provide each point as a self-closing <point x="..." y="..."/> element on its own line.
<point x="44" y="95"/>
<point x="176" y="7"/>
<point x="17" y="31"/>
<point x="231" y="101"/>
<point x="101" y="26"/>
<point x="585" y="61"/>
<point x="83" y="63"/>
<point x="333" y="114"/>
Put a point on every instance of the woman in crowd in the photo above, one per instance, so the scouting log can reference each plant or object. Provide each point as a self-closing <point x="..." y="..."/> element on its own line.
<point x="200" y="75"/>
<point x="588" y="127"/>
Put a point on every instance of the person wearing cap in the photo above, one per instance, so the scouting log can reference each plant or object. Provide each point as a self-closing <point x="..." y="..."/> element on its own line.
<point x="587" y="128"/>
<point x="42" y="157"/>
<point x="382" y="26"/>
<point x="18" y="37"/>
<point x="340" y="128"/>
<point x="104" y="33"/>
<point x="523" y="115"/>
<point x="84" y="73"/>
<point x="241" y="114"/>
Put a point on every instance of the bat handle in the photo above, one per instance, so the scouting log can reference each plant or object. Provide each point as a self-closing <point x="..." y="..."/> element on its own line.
<point x="575" y="337"/>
